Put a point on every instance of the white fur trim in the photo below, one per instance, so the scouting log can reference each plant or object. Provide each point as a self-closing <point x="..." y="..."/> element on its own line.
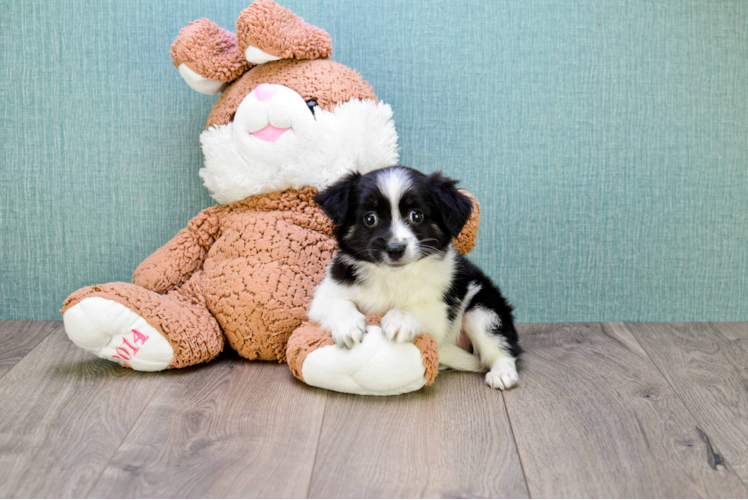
<point x="199" y="83"/>
<point x="257" y="56"/>
<point x="107" y="329"/>
<point x="374" y="367"/>
<point x="358" y="136"/>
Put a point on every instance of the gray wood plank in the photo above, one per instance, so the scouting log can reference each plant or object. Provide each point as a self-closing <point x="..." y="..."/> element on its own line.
<point x="241" y="429"/>
<point x="449" y="440"/>
<point x="17" y="338"/>
<point x="593" y="417"/>
<point x="64" y="414"/>
<point x="707" y="364"/>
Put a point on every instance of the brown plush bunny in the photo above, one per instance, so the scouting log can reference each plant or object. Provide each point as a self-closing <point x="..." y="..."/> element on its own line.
<point x="289" y="121"/>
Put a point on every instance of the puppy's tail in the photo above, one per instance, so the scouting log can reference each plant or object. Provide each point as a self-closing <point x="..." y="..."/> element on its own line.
<point x="451" y="356"/>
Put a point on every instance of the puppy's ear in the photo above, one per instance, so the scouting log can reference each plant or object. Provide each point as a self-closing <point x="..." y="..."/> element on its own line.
<point x="334" y="200"/>
<point x="454" y="206"/>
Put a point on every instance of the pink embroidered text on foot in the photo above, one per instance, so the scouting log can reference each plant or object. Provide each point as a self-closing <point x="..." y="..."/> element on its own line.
<point x="123" y="353"/>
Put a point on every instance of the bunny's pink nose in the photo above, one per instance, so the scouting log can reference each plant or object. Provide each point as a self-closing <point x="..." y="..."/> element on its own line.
<point x="265" y="91"/>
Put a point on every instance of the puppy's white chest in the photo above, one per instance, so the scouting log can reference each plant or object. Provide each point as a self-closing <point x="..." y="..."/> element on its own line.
<point x="419" y="291"/>
<point x="381" y="298"/>
<point x="424" y="304"/>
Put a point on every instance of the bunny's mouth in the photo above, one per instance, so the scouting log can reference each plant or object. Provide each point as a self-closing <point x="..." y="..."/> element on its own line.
<point x="269" y="133"/>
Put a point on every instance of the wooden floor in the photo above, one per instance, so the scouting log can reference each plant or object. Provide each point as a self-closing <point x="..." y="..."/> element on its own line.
<point x="602" y="410"/>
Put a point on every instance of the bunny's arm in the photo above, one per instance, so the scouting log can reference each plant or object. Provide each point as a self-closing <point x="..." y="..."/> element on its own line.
<point x="174" y="263"/>
<point x="465" y="241"/>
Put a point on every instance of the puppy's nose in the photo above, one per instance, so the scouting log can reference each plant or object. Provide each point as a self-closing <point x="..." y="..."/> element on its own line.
<point x="395" y="250"/>
<point x="265" y="91"/>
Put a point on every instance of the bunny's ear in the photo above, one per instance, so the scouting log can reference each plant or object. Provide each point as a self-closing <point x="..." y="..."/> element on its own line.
<point x="207" y="56"/>
<point x="268" y="32"/>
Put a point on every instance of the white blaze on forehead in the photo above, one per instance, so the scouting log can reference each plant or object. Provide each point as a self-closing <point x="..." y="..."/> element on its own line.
<point x="393" y="184"/>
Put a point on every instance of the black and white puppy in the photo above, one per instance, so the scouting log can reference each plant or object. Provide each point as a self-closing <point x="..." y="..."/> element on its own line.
<point x="394" y="229"/>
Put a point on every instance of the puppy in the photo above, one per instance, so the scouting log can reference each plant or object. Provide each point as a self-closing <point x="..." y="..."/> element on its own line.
<point x="394" y="229"/>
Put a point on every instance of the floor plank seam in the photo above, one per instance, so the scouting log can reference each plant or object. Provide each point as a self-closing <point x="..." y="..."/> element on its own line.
<point x="129" y="431"/>
<point x="688" y="408"/>
<point x="516" y="445"/>
<point x="319" y="439"/>
<point x="54" y="330"/>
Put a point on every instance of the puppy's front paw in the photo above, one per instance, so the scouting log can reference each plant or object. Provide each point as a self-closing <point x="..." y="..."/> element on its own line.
<point x="503" y="375"/>
<point x="348" y="330"/>
<point x="400" y="326"/>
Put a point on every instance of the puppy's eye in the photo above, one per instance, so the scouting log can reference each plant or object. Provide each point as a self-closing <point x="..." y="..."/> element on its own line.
<point x="416" y="216"/>
<point x="311" y="103"/>
<point x="371" y="219"/>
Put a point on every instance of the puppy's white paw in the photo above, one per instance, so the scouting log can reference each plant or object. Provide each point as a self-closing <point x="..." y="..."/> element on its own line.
<point x="503" y="375"/>
<point x="349" y="330"/>
<point x="400" y="326"/>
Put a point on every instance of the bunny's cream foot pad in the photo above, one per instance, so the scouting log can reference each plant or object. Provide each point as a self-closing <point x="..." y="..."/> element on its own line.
<point x="375" y="366"/>
<point x="112" y="331"/>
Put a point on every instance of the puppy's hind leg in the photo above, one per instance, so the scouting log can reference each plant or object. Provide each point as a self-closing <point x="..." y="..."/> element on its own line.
<point x="451" y="356"/>
<point x="497" y="349"/>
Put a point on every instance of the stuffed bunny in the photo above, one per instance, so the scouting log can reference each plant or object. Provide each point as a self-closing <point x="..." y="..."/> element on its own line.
<point x="288" y="122"/>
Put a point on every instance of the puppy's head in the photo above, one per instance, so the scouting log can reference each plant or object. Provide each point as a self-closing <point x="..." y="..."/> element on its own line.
<point x="395" y="216"/>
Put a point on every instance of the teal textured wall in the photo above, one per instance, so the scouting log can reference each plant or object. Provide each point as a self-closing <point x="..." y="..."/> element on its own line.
<point x="606" y="140"/>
